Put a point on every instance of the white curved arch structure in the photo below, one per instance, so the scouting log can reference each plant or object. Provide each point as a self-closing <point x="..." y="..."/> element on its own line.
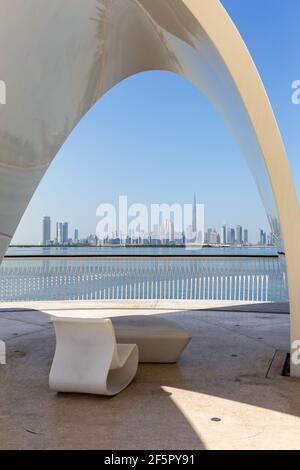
<point x="58" y="58"/>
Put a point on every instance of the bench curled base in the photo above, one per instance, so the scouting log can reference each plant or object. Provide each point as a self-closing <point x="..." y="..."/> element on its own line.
<point x="87" y="358"/>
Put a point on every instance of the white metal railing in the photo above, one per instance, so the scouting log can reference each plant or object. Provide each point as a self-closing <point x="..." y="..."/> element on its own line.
<point x="244" y="278"/>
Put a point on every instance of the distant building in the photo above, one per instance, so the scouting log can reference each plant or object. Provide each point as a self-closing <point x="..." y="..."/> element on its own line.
<point x="76" y="235"/>
<point x="272" y="239"/>
<point x="223" y="238"/>
<point x="93" y="240"/>
<point x="65" y="230"/>
<point x="155" y="233"/>
<point x="213" y="237"/>
<point x="239" y="234"/>
<point x="262" y="237"/>
<point x="59" y="233"/>
<point x="167" y="231"/>
<point x="46" y="230"/>
<point x="209" y="230"/>
<point x="172" y="232"/>
<point x="246" y="237"/>
<point x="231" y="236"/>
<point x="200" y="239"/>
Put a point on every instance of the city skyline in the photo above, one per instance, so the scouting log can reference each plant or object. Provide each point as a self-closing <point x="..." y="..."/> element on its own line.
<point x="163" y="232"/>
<point x="163" y="235"/>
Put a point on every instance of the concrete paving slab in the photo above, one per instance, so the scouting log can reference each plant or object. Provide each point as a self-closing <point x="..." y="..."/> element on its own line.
<point x="11" y="328"/>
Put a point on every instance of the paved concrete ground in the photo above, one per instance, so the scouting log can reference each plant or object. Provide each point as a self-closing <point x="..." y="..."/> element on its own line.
<point x="230" y="371"/>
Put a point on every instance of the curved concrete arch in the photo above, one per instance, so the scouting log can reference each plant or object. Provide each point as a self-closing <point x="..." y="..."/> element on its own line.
<point x="58" y="59"/>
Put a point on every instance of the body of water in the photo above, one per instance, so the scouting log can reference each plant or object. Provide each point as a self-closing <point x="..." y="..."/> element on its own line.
<point x="131" y="251"/>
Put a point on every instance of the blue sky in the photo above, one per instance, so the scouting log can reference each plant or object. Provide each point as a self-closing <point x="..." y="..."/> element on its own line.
<point x="110" y="152"/>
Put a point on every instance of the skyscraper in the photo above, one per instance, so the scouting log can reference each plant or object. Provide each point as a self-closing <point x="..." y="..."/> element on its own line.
<point x="262" y="237"/>
<point x="46" y="230"/>
<point x="232" y="236"/>
<point x="229" y="236"/>
<point x="59" y="232"/>
<point x="76" y="235"/>
<point x="172" y="232"/>
<point x="65" y="230"/>
<point x="223" y="237"/>
<point x="239" y="234"/>
<point x="245" y="236"/>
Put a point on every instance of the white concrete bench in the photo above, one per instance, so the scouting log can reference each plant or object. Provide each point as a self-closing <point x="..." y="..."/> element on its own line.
<point x="87" y="358"/>
<point x="96" y="354"/>
<point x="158" y="339"/>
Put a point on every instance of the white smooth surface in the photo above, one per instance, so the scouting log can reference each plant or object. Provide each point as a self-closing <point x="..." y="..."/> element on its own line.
<point x="58" y="58"/>
<point x="87" y="358"/>
<point x="159" y="340"/>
